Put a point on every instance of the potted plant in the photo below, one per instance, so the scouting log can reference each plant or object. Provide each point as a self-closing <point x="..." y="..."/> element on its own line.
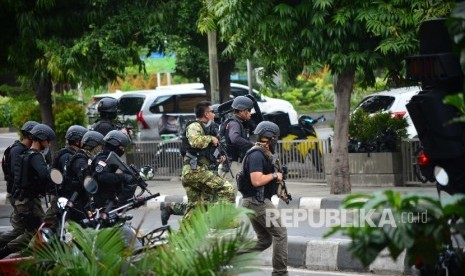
<point x="374" y="149"/>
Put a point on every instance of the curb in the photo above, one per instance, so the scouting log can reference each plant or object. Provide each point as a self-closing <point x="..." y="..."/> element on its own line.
<point x="309" y="203"/>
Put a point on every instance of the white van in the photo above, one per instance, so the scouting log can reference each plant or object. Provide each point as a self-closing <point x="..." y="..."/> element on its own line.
<point x="165" y="109"/>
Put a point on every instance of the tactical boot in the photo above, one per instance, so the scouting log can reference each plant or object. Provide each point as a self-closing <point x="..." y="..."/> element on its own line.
<point x="4" y="251"/>
<point x="165" y="212"/>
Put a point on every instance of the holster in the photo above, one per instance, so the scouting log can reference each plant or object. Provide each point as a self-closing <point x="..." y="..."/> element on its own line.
<point x="192" y="160"/>
<point x="260" y="194"/>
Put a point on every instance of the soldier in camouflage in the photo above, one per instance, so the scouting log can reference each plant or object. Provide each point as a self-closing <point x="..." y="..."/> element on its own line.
<point x="201" y="184"/>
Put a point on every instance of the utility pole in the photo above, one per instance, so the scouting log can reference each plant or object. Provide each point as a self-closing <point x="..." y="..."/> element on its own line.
<point x="213" y="63"/>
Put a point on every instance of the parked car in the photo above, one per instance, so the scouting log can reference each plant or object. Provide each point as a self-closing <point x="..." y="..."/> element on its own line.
<point x="392" y="101"/>
<point x="267" y="105"/>
<point x="92" y="112"/>
<point x="166" y="109"/>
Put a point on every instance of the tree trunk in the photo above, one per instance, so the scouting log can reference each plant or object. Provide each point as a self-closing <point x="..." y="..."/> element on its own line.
<point x="340" y="178"/>
<point x="44" y="97"/>
<point x="226" y="66"/>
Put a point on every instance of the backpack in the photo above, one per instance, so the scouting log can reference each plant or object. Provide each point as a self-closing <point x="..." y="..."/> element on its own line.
<point x="6" y="165"/>
<point x="21" y="181"/>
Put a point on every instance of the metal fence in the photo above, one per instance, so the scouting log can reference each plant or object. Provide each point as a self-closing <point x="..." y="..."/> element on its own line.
<point x="303" y="158"/>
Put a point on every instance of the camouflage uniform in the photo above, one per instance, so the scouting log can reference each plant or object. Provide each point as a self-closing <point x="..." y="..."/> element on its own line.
<point x="201" y="184"/>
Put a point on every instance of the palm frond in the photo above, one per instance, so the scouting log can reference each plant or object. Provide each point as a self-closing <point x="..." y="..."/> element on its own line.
<point x="206" y="244"/>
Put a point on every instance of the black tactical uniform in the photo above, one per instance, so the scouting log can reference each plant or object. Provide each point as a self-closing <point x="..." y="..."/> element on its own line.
<point x="16" y="149"/>
<point x="32" y="180"/>
<point x="107" y="108"/>
<point x="112" y="186"/>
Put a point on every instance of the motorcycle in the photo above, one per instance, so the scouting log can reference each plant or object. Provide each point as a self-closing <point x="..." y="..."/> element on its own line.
<point x="308" y="144"/>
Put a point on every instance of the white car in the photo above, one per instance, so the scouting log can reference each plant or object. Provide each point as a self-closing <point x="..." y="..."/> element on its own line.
<point x="166" y="109"/>
<point x="267" y="105"/>
<point x="392" y="101"/>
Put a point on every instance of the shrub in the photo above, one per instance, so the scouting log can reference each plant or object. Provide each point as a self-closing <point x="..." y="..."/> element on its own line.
<point x="378" y="132"/>
<point x="67" y="112"/>
<point x="24" y="108"/>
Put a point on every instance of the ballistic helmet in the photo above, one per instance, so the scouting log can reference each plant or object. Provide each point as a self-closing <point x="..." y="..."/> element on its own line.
<point x="267" y="129"/>
<point x="27" y="127"/>
<point x="242" y="103"/>
<point x="116" y="138"/>
<point x="75" y="133"/>
<point x="91" y="139"/>
<point x="109" y="105"/>
<point x="43" y="132"/>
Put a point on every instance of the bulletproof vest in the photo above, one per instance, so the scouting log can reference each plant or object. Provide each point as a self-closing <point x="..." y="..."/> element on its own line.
<point x="234" y="152"/>
<point x="103" y="126"/>
<point x="71" y="178"/>
<point x="6" y="164"/>
<point x="57" y="163"/>
<point x="244" y="183"/>
<point x="207" y="152"/>
<point x="25" y="180"/>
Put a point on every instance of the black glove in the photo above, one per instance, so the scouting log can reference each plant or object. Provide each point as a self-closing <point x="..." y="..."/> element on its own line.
<point x="127" y="179"/>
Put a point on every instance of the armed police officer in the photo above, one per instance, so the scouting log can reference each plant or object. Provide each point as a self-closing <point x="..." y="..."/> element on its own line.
<point x="258" y="184"/>
<point x="235" y="136"/>
<point x="107" y="109"/>
<point x="201" y="184"/>
<point x="8" y="164"/>
<point x="179" y="208"/>
<point x="112" y="186"/>
<point x="73" y="138"/>
<point x="31" y="182"/>
<point x="77" y="169"/>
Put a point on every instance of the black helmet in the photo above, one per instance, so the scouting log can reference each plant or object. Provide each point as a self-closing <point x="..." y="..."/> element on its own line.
<point x="75" y="133"/>
<point x="267" y="129"/>
<point x="305" y="121"/>
<point x="43" y="132"/>
<point x="117" y="138"/>
<point x="27" y="127"/>
<point x="91" y="139"/>
<point x="108" y="105"/>
<point x="242" y="103"/>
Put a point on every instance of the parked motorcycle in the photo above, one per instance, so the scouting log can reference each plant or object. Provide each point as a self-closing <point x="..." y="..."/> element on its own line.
<point x="309" y="145"/>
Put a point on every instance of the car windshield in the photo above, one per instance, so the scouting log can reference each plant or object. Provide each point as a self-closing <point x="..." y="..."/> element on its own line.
<point x="130" y="105"/>
<point x="376" y="103"/>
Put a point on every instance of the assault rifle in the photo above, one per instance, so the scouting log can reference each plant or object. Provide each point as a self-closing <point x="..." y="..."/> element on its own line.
<point x="282" y="192"/>
<point x="114" y="159"/>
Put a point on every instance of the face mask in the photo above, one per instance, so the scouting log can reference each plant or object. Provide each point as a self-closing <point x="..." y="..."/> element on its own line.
<point x="47" y="155"/>
<point x="272" y="145"/>
<point x="95" y="151"/>
<point x="119" y="151"/>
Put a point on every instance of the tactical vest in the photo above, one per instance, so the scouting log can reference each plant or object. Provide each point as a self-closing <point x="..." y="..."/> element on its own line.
<point x="7" y="164"/>
<point x="71" y="179"/>
<point x="206" y="152"/>
<point x="244" y="184"/>
<point x="234" y="152"/>
<point x="26" y="183"/>
<point x="103" y="126"/>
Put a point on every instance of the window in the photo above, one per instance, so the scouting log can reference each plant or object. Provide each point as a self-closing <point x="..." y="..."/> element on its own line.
<point x="164" y="104"/>
<point x="130" y="105"/>
<point x="187" y="103"/>
<point x="376" y="103"/>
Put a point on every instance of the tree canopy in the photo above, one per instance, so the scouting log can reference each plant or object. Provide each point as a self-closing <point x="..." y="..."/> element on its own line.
<point x="355" y="38"/>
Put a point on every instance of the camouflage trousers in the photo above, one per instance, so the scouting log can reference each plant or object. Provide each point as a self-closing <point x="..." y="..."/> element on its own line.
<point x="204" y="186"/>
